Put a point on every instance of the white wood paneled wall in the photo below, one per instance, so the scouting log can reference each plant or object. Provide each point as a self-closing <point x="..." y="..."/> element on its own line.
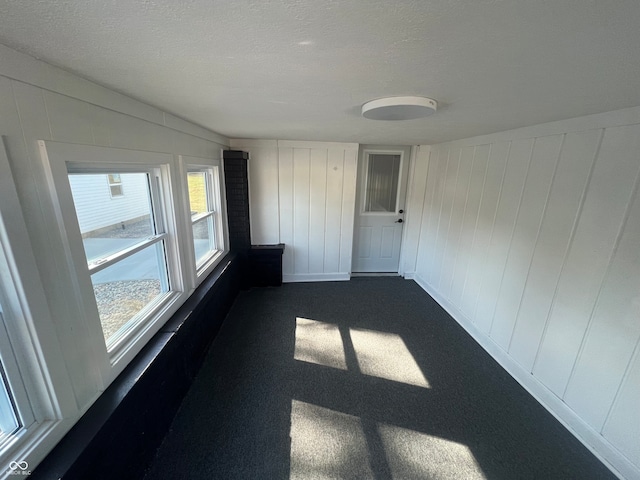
<point x="30" y="114"/>
<point x="531" y="240"/>
<point x="41" y="102"/>
<point x="302" y="194"/>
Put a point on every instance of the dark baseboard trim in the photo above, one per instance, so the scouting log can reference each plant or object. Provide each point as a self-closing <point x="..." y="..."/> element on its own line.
<point x="120" y="433"/>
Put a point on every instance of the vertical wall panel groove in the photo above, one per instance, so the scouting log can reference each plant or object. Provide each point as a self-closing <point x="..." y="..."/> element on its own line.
<point x="432" y="210"/>
<point x="414" y="209"/>
<point x="493" y="331"/>
<point x="427" y="205"/>
<point x="348" y="212"/>
<point x="537" y="238"/>
<point x="310" y="188"/>
<point x="470" y="221"/>
<point x="542" y="166"/>
<point x="285" y="191"/>
<point x="475" y="225"/>
<point x="512" y="187"/>
<point x="613" y="330"/>
<point x="618" y="428"/>
<point x="301" y="206"/>
<point x="603" y="211"/>
<point x="342" y="213"/>
<point x="326" y="211"/>
<point x="442" y="185"/>
<point x="335" y="180"/>
<point x="317" y="209"/>
<point x="474" y="297"/>
<point x="449" y="208"/>
<point x="456" y="247"/>
<point x="627" y="371"/>
<point x="549" y="264"/>
<point x="614" y="251"/>
<point x="424" y="201"/>
<point x="574" y="226"/>
<point x="453" y="231"/>
<point x="564" y="201"/>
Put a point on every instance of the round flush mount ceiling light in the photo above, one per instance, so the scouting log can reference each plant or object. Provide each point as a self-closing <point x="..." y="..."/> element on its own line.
<point x="399" y="108"/>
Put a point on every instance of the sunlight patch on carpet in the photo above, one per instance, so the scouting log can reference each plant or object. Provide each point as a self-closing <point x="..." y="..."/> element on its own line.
<point x="385" y="355"/>
<point x="326" y="444"/>
<point x="412" y="454"/>
<point x="319" y="343"/>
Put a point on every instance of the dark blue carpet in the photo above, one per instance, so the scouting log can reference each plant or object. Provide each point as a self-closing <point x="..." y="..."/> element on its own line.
<point x="263" y="407"/>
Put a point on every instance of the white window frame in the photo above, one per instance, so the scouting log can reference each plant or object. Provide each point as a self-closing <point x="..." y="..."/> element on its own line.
<point x="211" y="211"/>
<point x="40" y="388"/>
<point x="62" y="159"/>
<point x="17" y="390"/>
<point x="124" y="335"/>
<point x="216" y="193"/>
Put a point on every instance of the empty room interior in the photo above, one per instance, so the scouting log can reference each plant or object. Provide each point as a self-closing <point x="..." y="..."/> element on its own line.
<point x="320" y="240"/>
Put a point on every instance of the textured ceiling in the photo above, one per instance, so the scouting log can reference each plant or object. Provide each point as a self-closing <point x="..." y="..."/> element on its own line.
<point x="302" y="69"/>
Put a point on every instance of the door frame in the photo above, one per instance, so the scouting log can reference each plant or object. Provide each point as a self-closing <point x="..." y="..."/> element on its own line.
<point x="406" y="153"/>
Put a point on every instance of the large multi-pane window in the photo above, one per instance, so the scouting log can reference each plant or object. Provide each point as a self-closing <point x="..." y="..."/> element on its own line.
<point x="131" y="233"/>
<point x="203" y="187"/>
<point x="124" y="242"/>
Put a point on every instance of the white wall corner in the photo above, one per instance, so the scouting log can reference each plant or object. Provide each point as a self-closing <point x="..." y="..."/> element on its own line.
<point x="414" y="205"/>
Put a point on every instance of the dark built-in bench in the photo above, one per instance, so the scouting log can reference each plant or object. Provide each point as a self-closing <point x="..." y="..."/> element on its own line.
<point x="119" y="435"/>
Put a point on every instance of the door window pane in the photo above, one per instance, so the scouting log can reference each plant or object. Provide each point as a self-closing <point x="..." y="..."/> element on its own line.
<point x="382" y="183"/>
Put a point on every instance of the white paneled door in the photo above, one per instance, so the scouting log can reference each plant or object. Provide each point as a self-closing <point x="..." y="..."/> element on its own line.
<point x="382" y="180"/>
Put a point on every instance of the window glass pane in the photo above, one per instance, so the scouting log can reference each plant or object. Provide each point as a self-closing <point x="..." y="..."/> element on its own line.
<point x="197" y="192"/>
<point x="382" y="183"/>
<point x="116" y="190"/>
<point x="108" y="223"/>
<point x="8" y="419"/>
<point x="114" y="178"/>
<point x="203" y="239"/>
<point x="126" y="287"/>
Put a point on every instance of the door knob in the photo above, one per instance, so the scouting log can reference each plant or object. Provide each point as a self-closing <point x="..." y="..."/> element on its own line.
<point x="398" y="221"/>
<point x="400" y="211"/>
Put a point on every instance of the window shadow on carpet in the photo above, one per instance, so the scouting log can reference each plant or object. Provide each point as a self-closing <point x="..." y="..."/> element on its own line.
<point x="362" y="379"/>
